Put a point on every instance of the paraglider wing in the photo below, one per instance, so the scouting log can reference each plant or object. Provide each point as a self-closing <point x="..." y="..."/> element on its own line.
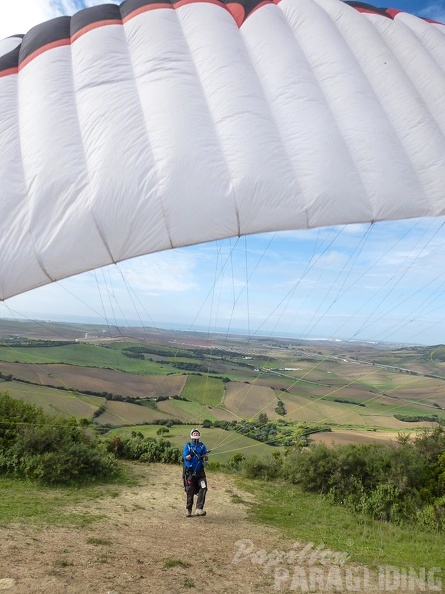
<point x="130" y="129"/>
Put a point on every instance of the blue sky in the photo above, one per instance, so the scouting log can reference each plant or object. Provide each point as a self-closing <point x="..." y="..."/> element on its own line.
<point x="384" y="282"/>
<point x="435" y="9"/>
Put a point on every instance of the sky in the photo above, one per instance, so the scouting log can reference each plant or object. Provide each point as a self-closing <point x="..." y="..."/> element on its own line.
<point x="379" y="283"/>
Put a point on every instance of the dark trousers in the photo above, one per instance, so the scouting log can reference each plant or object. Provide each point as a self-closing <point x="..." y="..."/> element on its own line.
<point x="193" y="487"/>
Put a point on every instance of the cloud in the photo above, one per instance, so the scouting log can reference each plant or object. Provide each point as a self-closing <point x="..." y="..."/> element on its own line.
<point x="434" y="11"/>
<point x="69" y="7"/>
<point x="21" y="15"/>
<point x="167" y="272"/>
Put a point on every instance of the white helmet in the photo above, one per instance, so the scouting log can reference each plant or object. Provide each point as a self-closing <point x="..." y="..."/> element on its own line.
<point x="195" y="434"/>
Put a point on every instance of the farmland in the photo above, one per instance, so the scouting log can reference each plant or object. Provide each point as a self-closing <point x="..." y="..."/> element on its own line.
<point x="177" y="378"/>
<point x="222" y="443"/>
<point x="95" y="379"/>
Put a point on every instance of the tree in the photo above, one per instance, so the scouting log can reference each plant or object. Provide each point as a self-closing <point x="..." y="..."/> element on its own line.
<point x="263" y="419"/>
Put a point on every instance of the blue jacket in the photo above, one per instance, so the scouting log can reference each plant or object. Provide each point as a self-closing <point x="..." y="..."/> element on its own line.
<point x="196" y="464"/>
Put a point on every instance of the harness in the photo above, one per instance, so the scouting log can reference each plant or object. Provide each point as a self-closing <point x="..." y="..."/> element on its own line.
<point x="187" y="472"/>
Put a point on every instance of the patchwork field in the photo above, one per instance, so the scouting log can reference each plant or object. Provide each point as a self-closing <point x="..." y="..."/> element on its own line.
<point x="342" y="437"/>
<point x="386" y="423"/>
<point x="97" y="379"/>
<point x="218" y="379"/>
<point x="378" y="412"/>
<point x="317" y="410"/>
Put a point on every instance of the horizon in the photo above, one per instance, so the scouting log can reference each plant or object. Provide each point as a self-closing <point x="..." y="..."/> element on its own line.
<point x="181" y="328"/>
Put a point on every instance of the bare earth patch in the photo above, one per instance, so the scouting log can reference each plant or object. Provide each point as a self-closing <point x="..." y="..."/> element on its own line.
<point x="145" y="544"/>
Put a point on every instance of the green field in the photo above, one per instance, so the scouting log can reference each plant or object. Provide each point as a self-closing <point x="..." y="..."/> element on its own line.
<point x="192" y="412"/>
<point x="59" y="402"/>
<point x="205" y="390"/>
<point x="125" y="413"/>
<point x="223" y="443"/>
<point x="84" y="354"/>
<point x="342" y="391"/>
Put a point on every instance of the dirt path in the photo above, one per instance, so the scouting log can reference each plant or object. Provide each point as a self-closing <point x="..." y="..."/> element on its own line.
<point x="145" y="544"/>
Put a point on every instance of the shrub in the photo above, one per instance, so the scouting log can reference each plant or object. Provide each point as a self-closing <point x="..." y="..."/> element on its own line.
<point x="387" y="503"/>
<point x="235" y="461"/>
<point x="431" y="443"/>
<point x="387" y="482"/>
<point x="145" y="449"/>
<point x="263" y="468"/>
<point x="312" y="469"/>
<point x="49" y="449"/>
<point x="433" y="516"/>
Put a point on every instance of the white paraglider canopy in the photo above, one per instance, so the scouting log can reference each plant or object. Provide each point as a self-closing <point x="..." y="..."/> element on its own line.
<point x="134" y="129"/>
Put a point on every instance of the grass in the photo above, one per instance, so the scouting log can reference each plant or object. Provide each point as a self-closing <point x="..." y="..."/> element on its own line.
<point x="83" y="355"/>
<point x="63" y="563"/>
<point x="313" y="519"/>
<point x="125" y="413"/>
<point x="193" y="411"/>
<point x="27" y="503"/>
<point x="96" y="540"/>
<point x="55" y="401"/>
<point x="168" y="563"/>
<point x="205" y="390"/>
<point x="23" y="502"/>
<point x="225" y="443"/>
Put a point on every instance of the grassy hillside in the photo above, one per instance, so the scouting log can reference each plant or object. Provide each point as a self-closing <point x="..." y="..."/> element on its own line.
<point x="223" y="443"/>
<point x="205" y="390"/>
<point x="188" y="412"/>
<point x="56" y="401"/>
<point x="309" y="517"/>
<point x="125" y="413"/>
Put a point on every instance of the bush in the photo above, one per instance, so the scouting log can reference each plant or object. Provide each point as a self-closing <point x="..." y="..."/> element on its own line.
<point x="387" y="503"/>
<point x="431" y="443"/>
<point x="235" y="461"/>
<point x="433" y="516"/>
<point x="388" y="482"/>
<point x="48" y="449"/>
<point x="312" y="469"/>
<point x="263" y="468"/>
<point x="145" y="449"/>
